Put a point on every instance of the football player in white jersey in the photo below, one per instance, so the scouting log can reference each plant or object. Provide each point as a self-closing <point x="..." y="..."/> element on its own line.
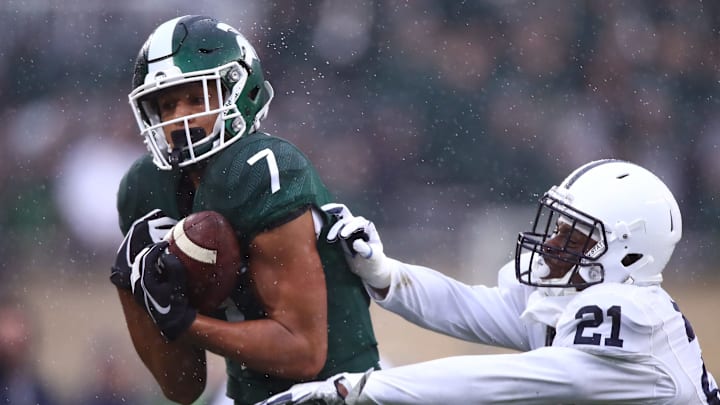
<point x="582" y="302"/>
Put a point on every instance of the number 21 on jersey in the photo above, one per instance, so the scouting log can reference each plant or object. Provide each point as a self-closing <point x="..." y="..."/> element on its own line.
<point x="591" y="317"/>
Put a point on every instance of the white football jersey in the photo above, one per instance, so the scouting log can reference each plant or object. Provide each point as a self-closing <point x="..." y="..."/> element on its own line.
<point x="611" y="343"/>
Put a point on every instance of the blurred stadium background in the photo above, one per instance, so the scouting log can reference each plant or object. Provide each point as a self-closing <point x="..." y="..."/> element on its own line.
<point x="441" y="120"/>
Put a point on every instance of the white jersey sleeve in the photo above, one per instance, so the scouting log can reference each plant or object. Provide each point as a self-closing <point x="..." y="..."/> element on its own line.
<point x="487" y="315"/>
<point x="549" y="375"/>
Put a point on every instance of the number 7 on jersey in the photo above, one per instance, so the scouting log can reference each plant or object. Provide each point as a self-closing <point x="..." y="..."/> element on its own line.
<point x="268" y="155"/>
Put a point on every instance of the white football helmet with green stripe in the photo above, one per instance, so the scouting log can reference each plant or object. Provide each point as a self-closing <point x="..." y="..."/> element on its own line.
<point x="202" y="50"/>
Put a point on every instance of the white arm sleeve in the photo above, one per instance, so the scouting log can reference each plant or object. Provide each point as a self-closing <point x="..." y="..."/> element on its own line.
<point x="478" y="314"/>
<point x="551" y="375"/>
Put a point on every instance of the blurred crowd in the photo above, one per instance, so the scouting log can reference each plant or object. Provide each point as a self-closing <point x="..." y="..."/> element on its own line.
<point x="415" y="112"/>
<point x="483" y="101"/>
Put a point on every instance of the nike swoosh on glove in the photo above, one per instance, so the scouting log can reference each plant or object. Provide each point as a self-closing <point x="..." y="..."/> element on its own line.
<point x="151" y="228"/>
<point x="159" y="285"/>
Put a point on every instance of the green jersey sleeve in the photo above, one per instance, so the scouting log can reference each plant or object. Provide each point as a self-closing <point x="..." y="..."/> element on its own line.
<point x="260" y="182"/>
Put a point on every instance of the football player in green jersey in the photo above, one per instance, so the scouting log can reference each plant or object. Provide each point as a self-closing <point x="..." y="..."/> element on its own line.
<point x="298" y="313"/>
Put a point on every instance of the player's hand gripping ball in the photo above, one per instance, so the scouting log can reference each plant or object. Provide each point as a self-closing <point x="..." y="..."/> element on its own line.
<point x="206" y="245"/>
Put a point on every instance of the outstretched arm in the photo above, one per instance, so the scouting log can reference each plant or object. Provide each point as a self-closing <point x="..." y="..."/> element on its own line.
<point x="549" y="375"/>
<point x="425" y="297"/>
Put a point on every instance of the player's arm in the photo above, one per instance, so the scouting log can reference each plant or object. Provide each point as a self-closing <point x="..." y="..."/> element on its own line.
<point x="549" y="375"/>
<point x="288" y="278"/>
<point x="178" y="367"/>
<point x="425" y="297"/>
<point x="545" y="376"/>
<point x="434" y="301"/>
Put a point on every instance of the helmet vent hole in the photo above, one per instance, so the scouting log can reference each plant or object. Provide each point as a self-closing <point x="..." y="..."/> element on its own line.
<point x="208" y="50"/>
<point x="254" y="93"/>
<point x="630" y="259"/>
<point x="622" y="176"/>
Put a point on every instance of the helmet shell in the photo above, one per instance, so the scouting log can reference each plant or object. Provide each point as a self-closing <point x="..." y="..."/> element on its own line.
<point x="639" y="213"/>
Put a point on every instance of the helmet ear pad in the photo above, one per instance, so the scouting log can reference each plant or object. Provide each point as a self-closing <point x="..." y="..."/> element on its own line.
<point x="638" y="255"/>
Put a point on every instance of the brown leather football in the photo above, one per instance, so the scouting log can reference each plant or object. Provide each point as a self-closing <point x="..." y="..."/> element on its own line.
<point x="206" y="244"/>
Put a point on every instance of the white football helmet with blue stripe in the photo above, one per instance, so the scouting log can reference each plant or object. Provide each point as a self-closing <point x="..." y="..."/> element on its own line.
<point x="628" y="212"/>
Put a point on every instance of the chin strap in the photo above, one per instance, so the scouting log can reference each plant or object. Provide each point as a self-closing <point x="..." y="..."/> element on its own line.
<point x="180" y="143"/>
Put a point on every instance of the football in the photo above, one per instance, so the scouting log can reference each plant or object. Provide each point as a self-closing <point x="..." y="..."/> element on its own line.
<point x="207" y="246"/>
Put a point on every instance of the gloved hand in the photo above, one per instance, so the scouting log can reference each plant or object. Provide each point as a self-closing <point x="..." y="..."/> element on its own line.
<point x="149" y="229"/>
<point x="362" y="245"/>
<point x="159" y="284"/>
<point x="340" y="389"/>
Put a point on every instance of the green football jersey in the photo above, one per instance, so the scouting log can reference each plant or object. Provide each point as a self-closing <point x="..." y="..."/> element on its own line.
<point x="258" y="183"/>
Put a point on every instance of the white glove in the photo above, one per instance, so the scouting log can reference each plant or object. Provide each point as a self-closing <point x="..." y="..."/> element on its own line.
<point x="361" y="244"/>
<point x="340" y="389"/>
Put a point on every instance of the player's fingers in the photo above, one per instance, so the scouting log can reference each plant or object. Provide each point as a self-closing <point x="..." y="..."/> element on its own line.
<point x="332" y="235"/>
<point x="372" y="233"/>
<point x="338" y="210"/>
<point x="159" y="229"/>
<point x="354" y="224"/>
<point x="363" y="248"/>
<point x="137" y="267"/>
